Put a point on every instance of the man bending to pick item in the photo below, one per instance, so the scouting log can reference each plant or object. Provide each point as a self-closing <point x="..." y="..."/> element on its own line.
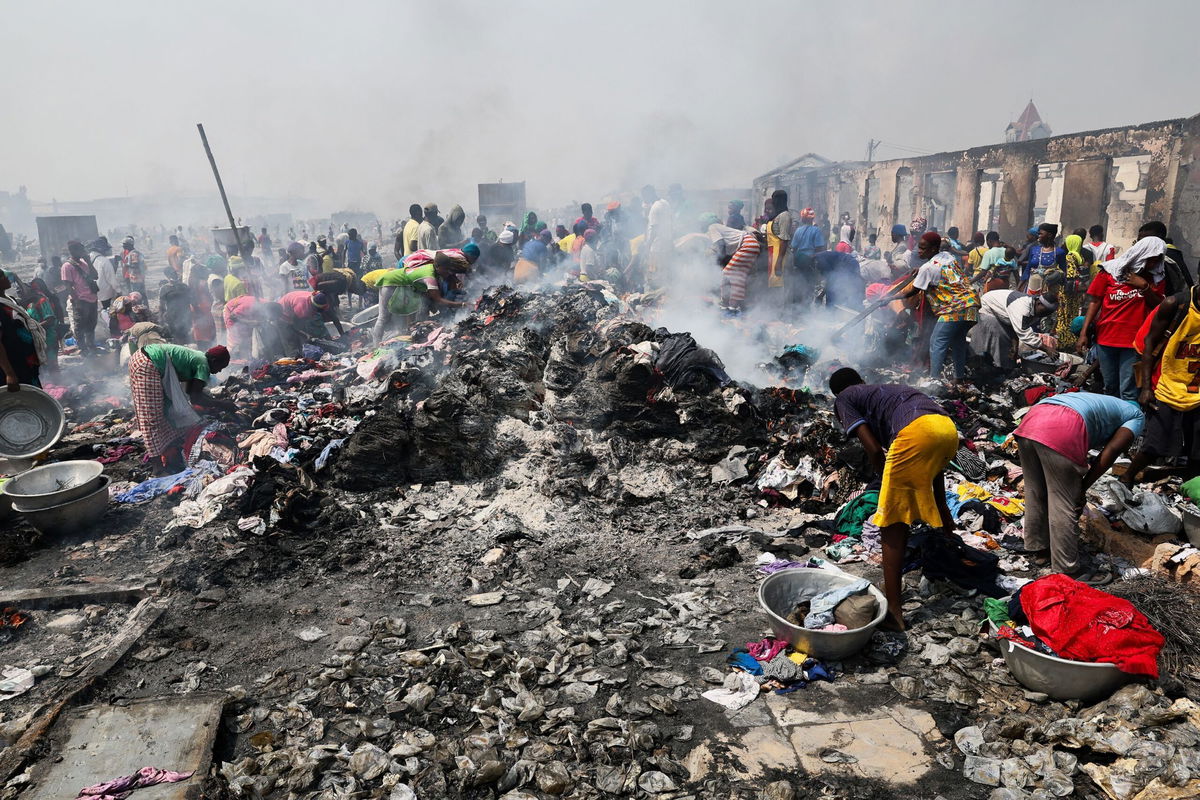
<point x="919" y="439"/>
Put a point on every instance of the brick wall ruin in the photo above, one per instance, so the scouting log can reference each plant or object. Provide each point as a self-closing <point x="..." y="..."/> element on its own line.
<point x="1118" y="177"/>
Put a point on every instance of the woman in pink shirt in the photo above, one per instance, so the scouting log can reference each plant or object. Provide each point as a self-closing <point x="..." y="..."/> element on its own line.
<point x="304" y="315"/>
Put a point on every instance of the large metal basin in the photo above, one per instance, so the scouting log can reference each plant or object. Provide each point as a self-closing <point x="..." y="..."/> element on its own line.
<point x="780" y="592"/>
<point x="54" y="484"/>
<point x="74" y="515"/>
<point x="366" y="317"/>
<point x="31" y="422"/>
<point x="1061" y="678"/>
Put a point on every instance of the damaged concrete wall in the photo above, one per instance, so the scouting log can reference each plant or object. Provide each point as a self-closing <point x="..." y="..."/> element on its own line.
<point x="1118" y="178"/>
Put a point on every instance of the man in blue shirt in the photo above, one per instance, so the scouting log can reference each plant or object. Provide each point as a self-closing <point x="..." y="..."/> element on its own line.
<point x="354" y="252"/>
<point x="806" y="242"/>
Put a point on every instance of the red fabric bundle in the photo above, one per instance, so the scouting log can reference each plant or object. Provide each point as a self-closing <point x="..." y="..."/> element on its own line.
<point x="1086" y="624"/>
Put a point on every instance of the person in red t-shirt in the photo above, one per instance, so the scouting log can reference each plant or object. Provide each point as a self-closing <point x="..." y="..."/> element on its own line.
<point x="1114" y="315"/>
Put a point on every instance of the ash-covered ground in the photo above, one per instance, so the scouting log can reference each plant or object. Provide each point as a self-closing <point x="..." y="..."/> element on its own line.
<point x="535" y="546"/>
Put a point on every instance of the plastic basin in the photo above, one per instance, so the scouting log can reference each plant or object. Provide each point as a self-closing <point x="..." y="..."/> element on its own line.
<point x="367" y="316"/>
<point x="1061" y="678"/>
<point x="780" y="592"/>
<point x="31" y="422"/>
<point x="54" y="484"/>
<point x="71" y="516"/>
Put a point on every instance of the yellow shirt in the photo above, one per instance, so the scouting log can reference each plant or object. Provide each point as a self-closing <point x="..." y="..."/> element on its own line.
<point x="234" y="287"/>
<point x="1179" y="384"/>
<point x="565" y="243"/>
<point x="974" y="257"/>
<point x="409" y="236"/>
<point x="372" y="277"/>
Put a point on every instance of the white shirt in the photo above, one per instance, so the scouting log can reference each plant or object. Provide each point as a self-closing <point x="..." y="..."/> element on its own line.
<point x="106" y="277"/>
<point x="658" y="227"/>
<point x="1017" y="314"/>
<point x="725" y="240"/>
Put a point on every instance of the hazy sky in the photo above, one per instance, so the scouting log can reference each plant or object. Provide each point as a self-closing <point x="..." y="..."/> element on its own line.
<point x="373" y="104"/>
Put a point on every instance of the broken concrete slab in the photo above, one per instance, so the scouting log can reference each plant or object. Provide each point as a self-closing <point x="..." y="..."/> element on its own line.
<point x="883" y="748"/>
<point x="762" y="749"/>
<point x="99" y="743"/>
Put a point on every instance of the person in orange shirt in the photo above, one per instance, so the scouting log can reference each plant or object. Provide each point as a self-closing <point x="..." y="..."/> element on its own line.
<point x="175" y="257"/>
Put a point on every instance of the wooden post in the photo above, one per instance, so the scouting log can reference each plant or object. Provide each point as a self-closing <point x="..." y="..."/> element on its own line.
<point x="237" y="236"/>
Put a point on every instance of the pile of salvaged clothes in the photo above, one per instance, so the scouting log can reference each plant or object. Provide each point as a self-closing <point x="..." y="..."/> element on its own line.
<point x="1060" y="616"/>
<point x="762" y="666"/>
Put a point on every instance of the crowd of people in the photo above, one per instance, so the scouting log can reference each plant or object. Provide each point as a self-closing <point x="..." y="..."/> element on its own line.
<point x="939" y="308"/>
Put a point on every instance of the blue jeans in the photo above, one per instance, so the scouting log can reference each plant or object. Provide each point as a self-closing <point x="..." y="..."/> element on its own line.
<point x="948" y="337"/>
<point x="1116" y="365"/>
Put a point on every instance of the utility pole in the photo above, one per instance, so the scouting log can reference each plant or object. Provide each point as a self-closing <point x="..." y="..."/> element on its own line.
<point x="872" y="144"/>
<point x="237" y="235"/>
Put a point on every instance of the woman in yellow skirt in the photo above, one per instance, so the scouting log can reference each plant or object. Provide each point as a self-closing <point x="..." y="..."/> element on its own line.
<point x="910" y="439"/>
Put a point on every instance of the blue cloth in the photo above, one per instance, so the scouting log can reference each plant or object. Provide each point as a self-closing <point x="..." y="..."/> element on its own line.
<point x="820" y="609"/>
<point x="954" y="503"/>
<point x="807" y="239"/>
<point x="1044" y="258"/>
<point x="336" y="444"/>
<point x="1116" y="365"/>
<point x="742" y="659"/>
<point x="534" y="250"/>
<point x="154" y="487"/>
<point x="354" y="251"/>
<point x="949" y="338"/>
<point x="1102" y="414"/>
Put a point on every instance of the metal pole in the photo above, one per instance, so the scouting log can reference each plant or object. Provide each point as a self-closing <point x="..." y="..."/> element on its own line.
<point x="237" y="236"/>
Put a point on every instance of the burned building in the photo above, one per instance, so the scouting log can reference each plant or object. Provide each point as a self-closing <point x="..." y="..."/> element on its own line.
<point x="1118" y="177"/>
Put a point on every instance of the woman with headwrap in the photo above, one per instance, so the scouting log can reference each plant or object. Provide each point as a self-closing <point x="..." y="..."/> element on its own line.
<point x="166" y="380"/>
<point x="22" y="340"/>
<point x="1122" y="294"/>
<point x="415" y="285"/>
<point x="1043" y="257"/>
<point x="528" y="228"/>
<point x="1075" y="281"/>
<point x="735" y="218"/>
<point x="45" y="307"/>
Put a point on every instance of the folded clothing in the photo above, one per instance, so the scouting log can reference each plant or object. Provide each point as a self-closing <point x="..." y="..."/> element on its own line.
<point x="821" y="608"/>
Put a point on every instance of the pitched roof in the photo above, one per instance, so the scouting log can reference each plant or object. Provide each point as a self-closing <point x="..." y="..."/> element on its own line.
<point x="1029" y="119"/>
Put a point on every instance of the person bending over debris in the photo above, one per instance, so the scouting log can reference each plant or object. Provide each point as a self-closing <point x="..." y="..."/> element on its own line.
<point x="1053" y="440"/>
<point x="919" y="439"/>
<point x="158" y="375"/>
<point x="1172" y="345"/>
<point x="736" y="251"/>
<point x="405" y="291"/>
<point x="1005" y="319"/>
<point x="243" y="316"/>
<point x="302" y="317"/>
